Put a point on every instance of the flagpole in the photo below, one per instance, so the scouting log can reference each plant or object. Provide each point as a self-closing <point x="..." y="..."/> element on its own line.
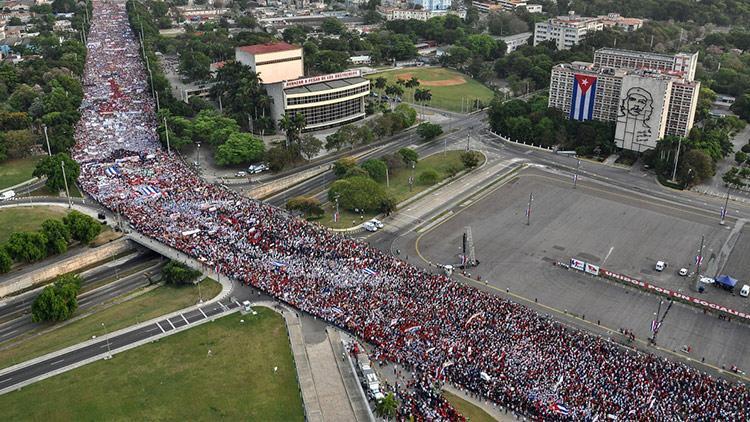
<point x="698" y="262"/>
<point x="528" y="209"/>
<point x="726" y="204"/>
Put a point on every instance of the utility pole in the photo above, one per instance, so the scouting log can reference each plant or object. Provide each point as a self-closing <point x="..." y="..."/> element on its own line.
<point x="575" y="177"/>
<point x="387" y="179"/>
<point x="725" y="207"/>
<point x="528" y="209"/>
<point x="166" y="132"/>
<point x="468" y="141"/>
<point x="46" y="137"/>
<point x="698" y="262"/>
<point x="65" y="179"/>
<point x="676" y="159"/>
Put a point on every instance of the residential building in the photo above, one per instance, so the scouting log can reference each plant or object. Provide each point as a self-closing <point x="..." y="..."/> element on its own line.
<point x="570" y="30"/>
<point x="512" y="42"/>
<point x="434" y="4"/>
<point x="683" y="63"/>
<point x="392" y="14"/>
<point x="645" y="104"/>
<point x="487" y="6"/>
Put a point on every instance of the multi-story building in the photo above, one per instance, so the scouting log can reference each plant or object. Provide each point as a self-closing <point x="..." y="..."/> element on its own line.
<point x="566" y="31"/>
<point x="275" y="62"/>
<point x="487" y="6"/>
<point x="434" y="4"/>
<point x="392" y="14"/>
<point x="324" y="100"/>
<point x="512" y="42"/>
<point x="570" y="30"/>
<point x="684" y="63"/>
<point x="645" y="104"/>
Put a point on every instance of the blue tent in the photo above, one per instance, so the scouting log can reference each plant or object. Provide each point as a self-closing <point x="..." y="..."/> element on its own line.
<point x="726" y="282"/>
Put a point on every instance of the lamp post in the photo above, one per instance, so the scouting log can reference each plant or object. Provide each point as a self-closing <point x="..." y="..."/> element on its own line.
<point x="676" y="159"/>
<point x="46" y="137"/>
<point x="106" y="336"/>
<point x="724" y="209"/>
<point x="65" y="179"/>
<point x="198" y="155"/>
<point x="166" y="133"/>
<point x="575" y="177"/>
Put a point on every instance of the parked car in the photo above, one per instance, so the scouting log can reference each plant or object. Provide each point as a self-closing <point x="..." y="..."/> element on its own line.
<point x="745" y="291"/>
<point x="257" y="168"/>
<point x="240" y="174"/>
<point x="660" y="266"/>
<point x="707" y="280"/>
<point x="370" y="226"/>
<point x="377" y="223"/>
<point x="684" y="272"/>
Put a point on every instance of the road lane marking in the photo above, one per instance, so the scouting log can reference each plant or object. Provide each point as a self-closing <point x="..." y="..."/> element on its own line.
<point x="152" y="329"/>
<point x="6" y="380"/>
<point x="159" y="325"/>
<point x="57" y="361"/>
<point x="204" y="314"/>
<point x="183" y="317"/>
<point x="170" y="323"/>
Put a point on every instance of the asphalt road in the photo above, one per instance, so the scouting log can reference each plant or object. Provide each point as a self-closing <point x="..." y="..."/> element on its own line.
<point x="107" y="342"/>
<point x="16" y="311"/>
<point x="408" y="138"/>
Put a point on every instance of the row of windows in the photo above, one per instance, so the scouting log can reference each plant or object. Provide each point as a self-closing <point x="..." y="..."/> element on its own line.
<point x="286" y="59"/>
<point x="327" y="96"/>
<point x="331" y="112"/>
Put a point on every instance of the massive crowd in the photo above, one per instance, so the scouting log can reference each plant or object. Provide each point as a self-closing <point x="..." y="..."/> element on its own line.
<point x="438" y="328"/>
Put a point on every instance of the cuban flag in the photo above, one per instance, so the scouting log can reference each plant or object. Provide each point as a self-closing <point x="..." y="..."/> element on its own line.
<point x="655" y="326"/>
<point x="723" y="212"/>
<point x="278" y="264"/>
<point x="560" y="408"/>
<point x="148" y="190"/>
<point x="698" y="260"/>
<point x="369" y="271"/>
<point x="112" y="171"/>
<point x="582" y="102"/>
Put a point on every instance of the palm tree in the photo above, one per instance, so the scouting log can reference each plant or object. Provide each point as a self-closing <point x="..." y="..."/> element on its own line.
<point x="380" y="83"/>
<point x="395" y="91"/>
<point x="387" y="407"/>
<point x="422" y="95"/>
<point x="293" y="126"/>
<point x="412" y="83"/>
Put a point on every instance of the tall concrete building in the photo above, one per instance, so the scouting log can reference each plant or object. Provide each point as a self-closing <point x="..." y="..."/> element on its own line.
<point x="325" y="100"/>
<point x="684" y="63"/>
<point x="434" y="4"/>
<point x="646" y="104"/>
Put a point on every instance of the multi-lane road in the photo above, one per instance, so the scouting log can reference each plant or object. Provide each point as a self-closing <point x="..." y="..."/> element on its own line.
<point x="120" y="277"/>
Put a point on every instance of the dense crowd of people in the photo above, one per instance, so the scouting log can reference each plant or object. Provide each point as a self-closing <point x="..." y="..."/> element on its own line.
<point x="443" y="330"/>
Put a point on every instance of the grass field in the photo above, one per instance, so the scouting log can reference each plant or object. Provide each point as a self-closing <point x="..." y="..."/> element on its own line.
<point x="448" y="87"/>
<point x="175" y="379"/>
<point x="159" y="301"/>
<point x="471" y="412"/>
<point x="26" y="218"/>
<point x="399" y="187"/>
<point x="13" y="172"/>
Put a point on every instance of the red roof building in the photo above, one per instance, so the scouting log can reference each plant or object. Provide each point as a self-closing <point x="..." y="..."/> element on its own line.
<point x="272" y="47"/>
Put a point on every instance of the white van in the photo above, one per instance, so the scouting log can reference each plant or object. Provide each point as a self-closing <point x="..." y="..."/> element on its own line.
<point x="246" y="306"/>
<point x="8" y="194"/>
<point x="660" y="266"/>
<point x="745" y="291"/>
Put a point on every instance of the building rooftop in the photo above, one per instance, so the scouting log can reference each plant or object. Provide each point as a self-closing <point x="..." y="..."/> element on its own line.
<point x="272" y="47"/>
<point x="589" y="68"/>
<point x="323" y="86"/>
<point x="643" y="54"/>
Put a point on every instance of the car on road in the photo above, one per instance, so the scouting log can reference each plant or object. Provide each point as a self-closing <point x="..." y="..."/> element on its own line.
<point x="660" y="266"/>
<point x="370" y="227"/>
<point x="377" y="223"/>
<point x="684" y="272"/>
<point x="257" y="168"/>
<point x="240" y="174"/>
<point x="745" y="291"/>
<point x="8" y="194"/>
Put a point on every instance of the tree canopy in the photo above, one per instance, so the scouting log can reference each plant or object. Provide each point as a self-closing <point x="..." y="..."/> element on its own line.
<point x="58" y="301"/>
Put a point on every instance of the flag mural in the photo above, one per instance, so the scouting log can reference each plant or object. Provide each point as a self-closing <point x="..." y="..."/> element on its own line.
<point x="582" y="102"/>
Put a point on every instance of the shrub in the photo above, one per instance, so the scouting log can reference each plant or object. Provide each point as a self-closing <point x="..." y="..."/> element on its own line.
<point x="358" y="193"/>
<point x="176" y="273"/>
<point x="307" y="205"/>
<point x="428" y="177"/>
<point x="342" y="166"/>
<point x="376" y="169"/>
<point x="470" y="159"/>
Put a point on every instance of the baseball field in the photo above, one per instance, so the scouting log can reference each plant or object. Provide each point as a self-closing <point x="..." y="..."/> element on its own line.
<point x="451" y="90"/>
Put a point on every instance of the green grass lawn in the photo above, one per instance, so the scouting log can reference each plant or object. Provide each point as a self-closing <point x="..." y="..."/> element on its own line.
<point x="448" y="86"/>
<point x="471" y="412"/>
<point x="399" y="187"/>
<point x="175" y="379"/>
<point x="159" y="301"/>
<point x="13" y="172"/>
<point x="26" y="218"/>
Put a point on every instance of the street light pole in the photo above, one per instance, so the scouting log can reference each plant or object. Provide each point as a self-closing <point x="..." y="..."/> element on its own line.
<point x="106" y="336"/>
<point x="46" y="137"/>
<point x="528" y="209"/>
<point x="166" y="132"/>
<point x="676" y="159"/>
<point x="387" y="179"/>
<point x="724" y="210"/>
<point x="575" y="178"/>
<point x="65" y="179"/>
<point x="698" y="262"/>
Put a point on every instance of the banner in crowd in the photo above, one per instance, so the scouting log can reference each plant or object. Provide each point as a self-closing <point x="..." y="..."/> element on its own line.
<point x="592" y="269"/>
<point x="577" y="265"/>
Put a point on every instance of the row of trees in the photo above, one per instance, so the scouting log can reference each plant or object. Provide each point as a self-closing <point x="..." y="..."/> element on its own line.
<point x="53" y="238"/>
